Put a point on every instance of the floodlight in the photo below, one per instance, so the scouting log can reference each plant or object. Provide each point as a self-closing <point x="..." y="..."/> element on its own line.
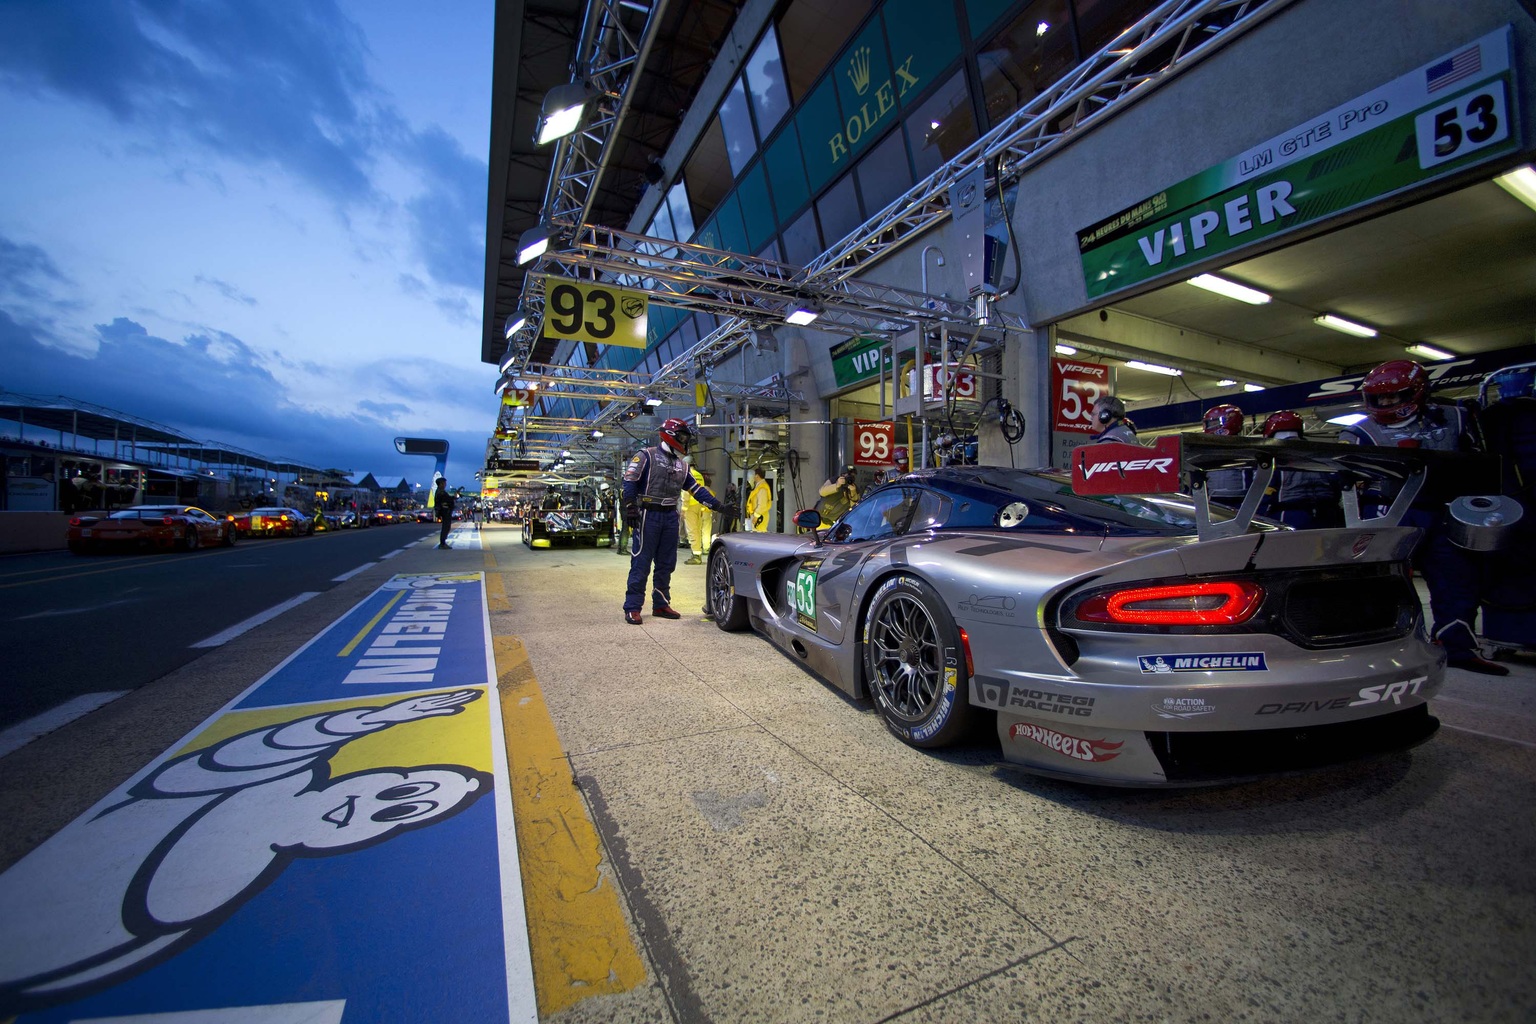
<point x="515" y="323"/>
<point x="533" y="243"/>
<point x="561" y="112"/>
<point x="804" y="311"/>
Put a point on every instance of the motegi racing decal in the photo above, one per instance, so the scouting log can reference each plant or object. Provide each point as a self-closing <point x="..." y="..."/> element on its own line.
<point x="1246" y="661"/>
<point x="1070" y="746"/>
<point x="1054" y="703"/>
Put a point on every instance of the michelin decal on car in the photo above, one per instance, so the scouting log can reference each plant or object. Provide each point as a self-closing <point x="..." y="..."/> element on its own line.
<point x="1161" y="664"/>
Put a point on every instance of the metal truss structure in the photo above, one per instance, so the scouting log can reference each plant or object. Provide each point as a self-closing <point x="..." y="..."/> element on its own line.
<point x="754" y="292"/>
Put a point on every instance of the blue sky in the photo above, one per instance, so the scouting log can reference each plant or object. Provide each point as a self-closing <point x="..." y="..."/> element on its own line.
<point x="262" y="223"/>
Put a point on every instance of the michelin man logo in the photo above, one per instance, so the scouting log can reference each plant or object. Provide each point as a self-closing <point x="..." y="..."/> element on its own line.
<point x="183" y="848"/>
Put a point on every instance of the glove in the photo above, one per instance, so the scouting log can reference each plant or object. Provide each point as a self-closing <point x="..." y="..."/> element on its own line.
<point x="632" y="515"/>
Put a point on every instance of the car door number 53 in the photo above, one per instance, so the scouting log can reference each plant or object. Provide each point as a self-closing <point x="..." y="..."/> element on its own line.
<point x="805" y="597"/>
<point x="1467" y="123"/>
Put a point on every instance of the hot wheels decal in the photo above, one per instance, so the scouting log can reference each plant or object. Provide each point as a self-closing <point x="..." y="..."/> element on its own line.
<point x="1069" y="746"/>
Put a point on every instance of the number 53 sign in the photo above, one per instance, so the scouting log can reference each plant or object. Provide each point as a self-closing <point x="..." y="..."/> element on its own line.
<point x="587" y="311"/>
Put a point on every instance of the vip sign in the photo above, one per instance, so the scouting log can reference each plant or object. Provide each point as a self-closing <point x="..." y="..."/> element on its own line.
<point x="874" y="443"/>
<point x="1075" y="387"/>
<point x="585" y="311"/>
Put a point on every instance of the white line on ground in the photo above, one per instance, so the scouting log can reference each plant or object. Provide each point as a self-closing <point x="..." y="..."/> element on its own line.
<point x="348" y="575"/>
<point x="391" y="554"/>
<point x="19" y="735"/>
<point x="1490" y="735"/>
<point x="220" y="639"/>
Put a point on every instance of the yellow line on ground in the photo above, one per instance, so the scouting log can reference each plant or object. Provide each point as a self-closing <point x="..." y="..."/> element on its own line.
<point x="490" y="559"/>
<point x="580" y="942"/>
<point x="371" y="623"/>
<point x="496" y="593"/>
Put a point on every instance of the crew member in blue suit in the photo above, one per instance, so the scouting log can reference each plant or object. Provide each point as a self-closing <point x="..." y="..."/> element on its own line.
<point x="652" y="482"/>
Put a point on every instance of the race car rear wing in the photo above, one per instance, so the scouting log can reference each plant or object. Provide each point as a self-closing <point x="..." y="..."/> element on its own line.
<point x="1183" y="462"/>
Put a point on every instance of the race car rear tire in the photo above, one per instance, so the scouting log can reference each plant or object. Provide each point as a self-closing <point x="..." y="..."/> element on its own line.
<point x="191" y="540"/>
<point x="727" y="609"/>
<point x="229" y="536"/>
<point x="914" y="664"/>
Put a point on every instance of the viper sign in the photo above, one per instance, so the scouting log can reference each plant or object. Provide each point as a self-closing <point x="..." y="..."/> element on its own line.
<point x="587" y="311"/>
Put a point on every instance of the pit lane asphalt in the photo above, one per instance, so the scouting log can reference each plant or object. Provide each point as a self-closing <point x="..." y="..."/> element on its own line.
<point x="84" y="624"/>
<point x="779" y="857"/>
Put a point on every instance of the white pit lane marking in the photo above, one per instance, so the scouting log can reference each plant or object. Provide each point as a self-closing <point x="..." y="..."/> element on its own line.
<point x="348" y="575"/>
<point x="19" y="735"/>
<point x="1490" y="736"/>
<point x="220" y="639"/>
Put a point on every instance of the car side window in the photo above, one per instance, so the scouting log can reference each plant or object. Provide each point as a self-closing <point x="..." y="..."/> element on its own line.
<point x="882" y="514"/>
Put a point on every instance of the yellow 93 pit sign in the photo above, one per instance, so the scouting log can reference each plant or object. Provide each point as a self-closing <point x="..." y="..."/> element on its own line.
<point x="587" y="311"/>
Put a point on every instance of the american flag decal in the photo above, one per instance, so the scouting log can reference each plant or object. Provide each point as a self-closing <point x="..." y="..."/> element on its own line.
<point x="1454" y="68"/>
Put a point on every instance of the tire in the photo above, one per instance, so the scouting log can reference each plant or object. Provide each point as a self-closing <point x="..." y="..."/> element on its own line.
<point x="727" y="609"/>
<point x="229" y="536"/>
<point x="914" y="665"/>
<point x="191" y="540"/>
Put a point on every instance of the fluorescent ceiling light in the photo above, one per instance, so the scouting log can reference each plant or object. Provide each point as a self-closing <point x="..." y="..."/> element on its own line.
<point x="1430" y="352"/>
<point x="1065" y="350"/>
<point x="1231" y="289"/>
<point x="561" y="112"/>
<point x="1348" y="419"/>
<point x="1520" y="183"/>
<point x="1167" y="371"/>
<point x="1338" y="323"/>
<point x="1225" y="383"/>
<point x="1253" y="387"/>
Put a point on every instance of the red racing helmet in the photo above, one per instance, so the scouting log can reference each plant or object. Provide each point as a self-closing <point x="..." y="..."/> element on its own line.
<point x="676" y="436"/>
<point x="1395" y="391"/>
<point x="1285" y="419"/>
<point x="1226" y="420"/>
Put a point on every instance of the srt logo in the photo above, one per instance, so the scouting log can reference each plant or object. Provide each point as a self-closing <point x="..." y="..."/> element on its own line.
<point x="1394" y="692"/>
<point x="1161" y="465"/>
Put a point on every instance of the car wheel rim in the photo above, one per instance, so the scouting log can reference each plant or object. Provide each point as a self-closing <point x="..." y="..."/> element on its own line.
<point x="720" y="591"/>
<point x="907" y="662"/>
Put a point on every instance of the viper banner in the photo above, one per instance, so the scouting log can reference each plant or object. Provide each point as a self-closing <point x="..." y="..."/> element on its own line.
<point x="1444" y="116"/>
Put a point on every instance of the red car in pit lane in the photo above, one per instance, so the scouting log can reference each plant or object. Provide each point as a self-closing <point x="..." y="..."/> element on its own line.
<point x="158" y="527"/>
<point x="280" y="522"/>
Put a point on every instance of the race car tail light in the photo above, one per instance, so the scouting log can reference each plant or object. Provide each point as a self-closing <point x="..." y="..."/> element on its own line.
<point x="74" y="521"/>
<point x="167" y="520"/>
<point x="1226" y="603"/>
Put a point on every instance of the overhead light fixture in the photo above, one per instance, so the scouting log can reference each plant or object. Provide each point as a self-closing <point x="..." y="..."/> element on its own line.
<point x="561" y="112"/>
<point x="508" y="359"/>
<point x="1520" y="183"/>
<point x="1250" y="388"/>
<point x="1338" y="323"/>
<point x="1430" y="352"/>
<point x="653" y="402"/>
<point x="534" y="243"/>
<point x="1349" y="419"/>
<point x="804" y="311"/>
<point x="505" y="382"/>
<point x="1225" y="383"/>
<point x="514" y="323"/>
<point x="1042" y="28"/>
<point x="596" y="434"/>
<point x="1167" y="371"/>
<point x="1231" y="289"/>
<point x="1065" y="350"/>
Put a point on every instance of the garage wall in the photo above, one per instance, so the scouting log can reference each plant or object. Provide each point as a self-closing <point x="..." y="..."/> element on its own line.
<point x="1309" y="58"/>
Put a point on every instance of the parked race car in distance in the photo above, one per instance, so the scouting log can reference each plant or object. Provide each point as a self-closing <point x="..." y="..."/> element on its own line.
<point x="159" y="527"/>
<point x="582" y="518"/>
<point x="280" y="522"/>
<point x="1115" y="639"/>
<point x="241" y="522"/>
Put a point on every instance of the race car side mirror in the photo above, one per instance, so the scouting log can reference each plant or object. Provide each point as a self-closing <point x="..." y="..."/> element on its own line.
<point x="808" y="519"/>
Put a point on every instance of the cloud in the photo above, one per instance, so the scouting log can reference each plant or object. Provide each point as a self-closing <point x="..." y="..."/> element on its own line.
<point x="226" y="289"/>
<point x="279" y="83"/>
<point x="214" y="387"/>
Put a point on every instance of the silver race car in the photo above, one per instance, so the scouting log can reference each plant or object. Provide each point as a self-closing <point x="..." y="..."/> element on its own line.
<point x="1135" y="636"/>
